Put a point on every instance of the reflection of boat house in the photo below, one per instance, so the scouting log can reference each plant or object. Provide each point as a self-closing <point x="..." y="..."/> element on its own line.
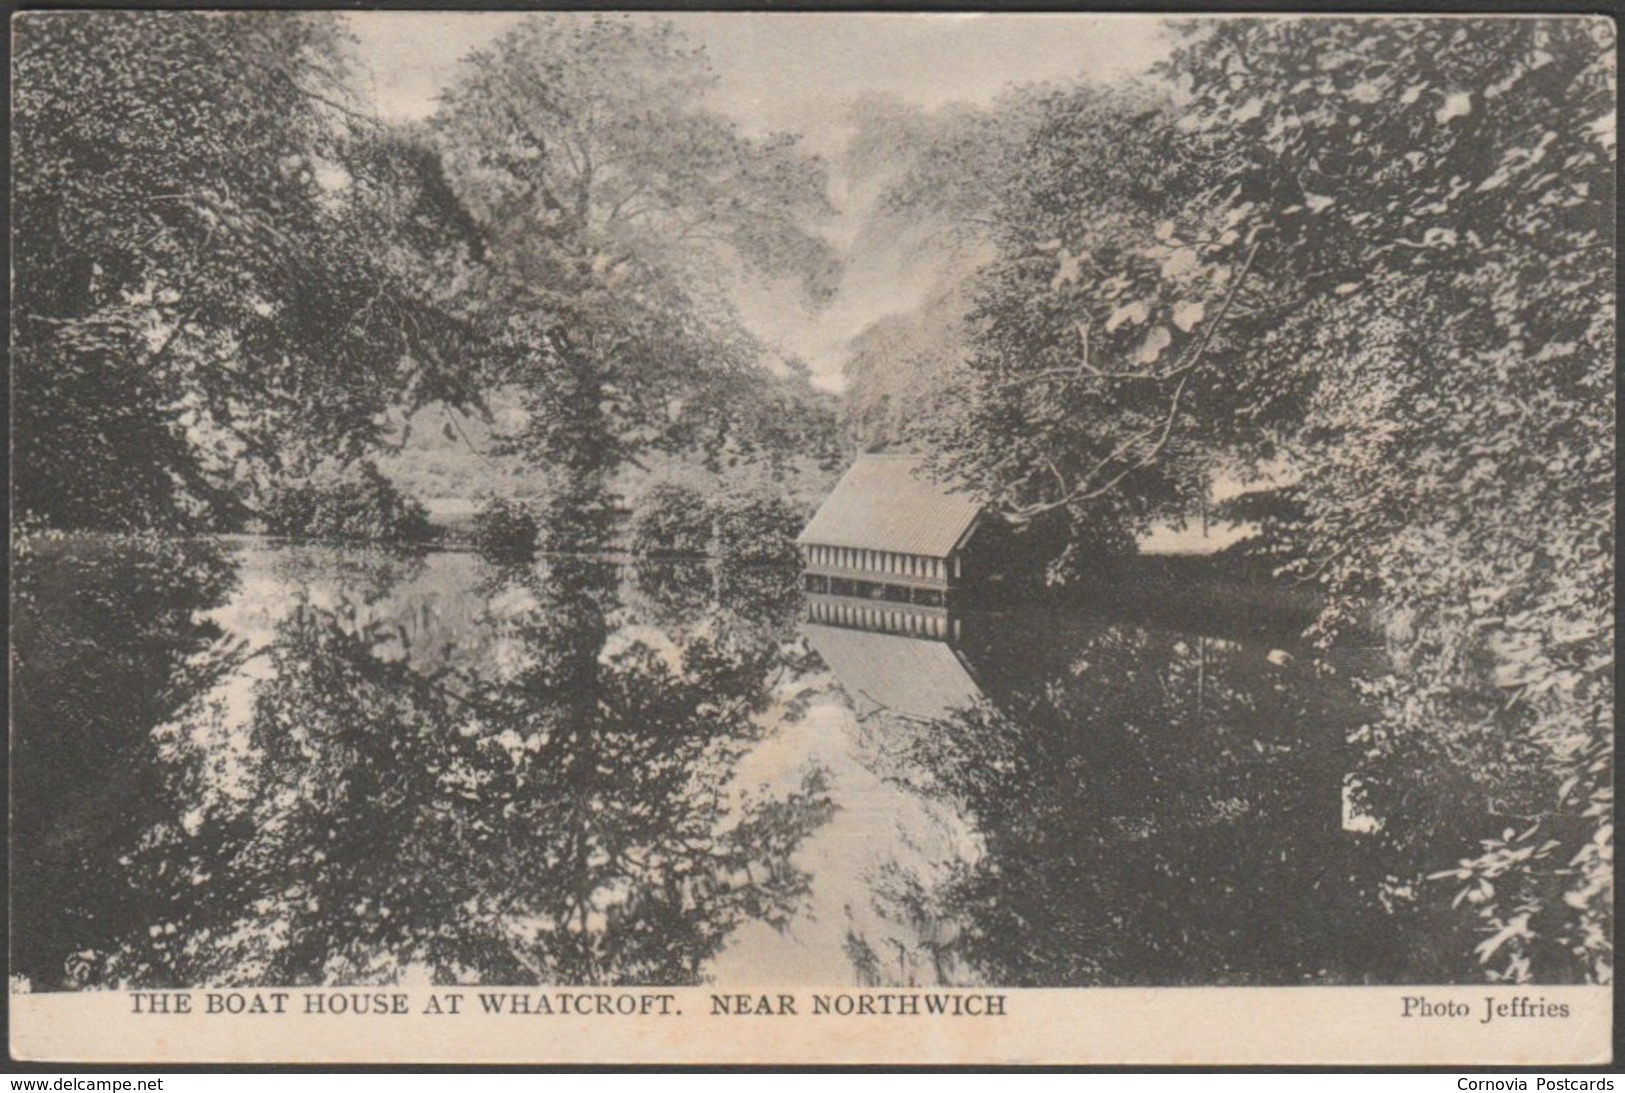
<point x="886" y="550"/>
<point x="914" y="677"/>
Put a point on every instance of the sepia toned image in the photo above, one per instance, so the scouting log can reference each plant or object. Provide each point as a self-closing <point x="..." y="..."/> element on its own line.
<point x="733" y="537"/>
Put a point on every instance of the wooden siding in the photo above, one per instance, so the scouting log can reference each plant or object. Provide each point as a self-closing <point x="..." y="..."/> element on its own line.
<point x="890" y="567"/>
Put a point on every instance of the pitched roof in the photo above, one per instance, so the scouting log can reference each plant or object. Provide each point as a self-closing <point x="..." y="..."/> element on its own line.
<point x="888" y="502"/>
<point x="914" y="676"/>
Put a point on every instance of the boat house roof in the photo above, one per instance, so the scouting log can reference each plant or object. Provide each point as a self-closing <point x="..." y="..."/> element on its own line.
<point x="888" y="502"/>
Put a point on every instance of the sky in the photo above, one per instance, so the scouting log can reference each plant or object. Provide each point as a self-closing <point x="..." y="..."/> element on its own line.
<point x="798" y="72"/>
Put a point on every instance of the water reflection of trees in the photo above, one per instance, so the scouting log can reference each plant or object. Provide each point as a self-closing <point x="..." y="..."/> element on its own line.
<point x="368" y="573"/>
<point x="747" y="606"/>
<point x="562" y="813"/>
<point x="1151" y="808"/>
<point x="109" y="644"/>
<point x="763" y="600"/>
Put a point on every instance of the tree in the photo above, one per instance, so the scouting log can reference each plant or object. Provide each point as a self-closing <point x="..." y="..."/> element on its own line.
<point x="1028" y="200"/>
<point x="924" y="182"/>
<point x="1439" y="196"/>
<point x="224" y="271"/>
<point x="617" y="207"/>
<point x="901" y="370"/>
<point x="1089" y="330"/>
<point x="1381" y="251"/>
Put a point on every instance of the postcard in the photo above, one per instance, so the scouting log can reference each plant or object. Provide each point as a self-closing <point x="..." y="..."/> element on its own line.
<point x="824" y="538"/>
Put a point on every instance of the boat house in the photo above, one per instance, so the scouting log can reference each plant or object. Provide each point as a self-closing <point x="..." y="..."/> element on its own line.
<point x="889" y="541"/>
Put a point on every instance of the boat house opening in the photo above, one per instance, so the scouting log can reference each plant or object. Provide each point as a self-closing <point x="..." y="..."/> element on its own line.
<point x="889" y="535"/>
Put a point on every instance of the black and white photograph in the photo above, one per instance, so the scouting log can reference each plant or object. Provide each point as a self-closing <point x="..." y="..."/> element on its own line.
<point x="734" y="514"/>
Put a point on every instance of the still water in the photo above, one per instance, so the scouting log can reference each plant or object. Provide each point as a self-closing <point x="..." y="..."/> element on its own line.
<point x="245" y="763"/>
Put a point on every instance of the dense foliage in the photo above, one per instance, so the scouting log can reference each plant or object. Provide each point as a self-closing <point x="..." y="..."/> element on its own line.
<point x="350" y="504"/>
<point x="759" y="528"/>
<point x="1371" y="261"/>
<point x="223" y="272"/>
<point x="505" y="529"/>
<point x="922" y="182"/>
<point x="110" y="641"/>
<point x="672" y="519"/>
<point x="1381" y="256"/>
<point x="745" y="527"/>
<point x="1150" y="807"/>
<point x="229" y="274"/>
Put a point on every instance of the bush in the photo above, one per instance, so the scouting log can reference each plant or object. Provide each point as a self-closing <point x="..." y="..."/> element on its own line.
<point x="760" y="528"/>
<point x="505" y="529"/>
<point x="672" y="520"/>
<point x="352" y="504"/>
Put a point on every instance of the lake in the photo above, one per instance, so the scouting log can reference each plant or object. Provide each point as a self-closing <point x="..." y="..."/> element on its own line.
<point x="249" y="763"/>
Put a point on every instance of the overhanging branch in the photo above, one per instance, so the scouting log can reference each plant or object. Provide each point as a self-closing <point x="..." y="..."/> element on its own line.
<point x="1090" y="486"/>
